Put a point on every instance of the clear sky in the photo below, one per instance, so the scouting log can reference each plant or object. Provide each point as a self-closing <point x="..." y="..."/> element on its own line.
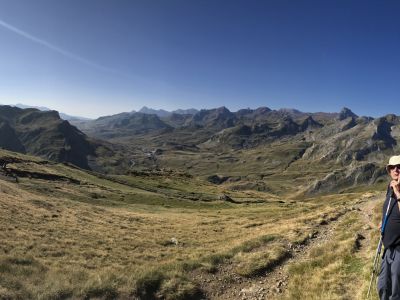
<point x="100" y="57"/>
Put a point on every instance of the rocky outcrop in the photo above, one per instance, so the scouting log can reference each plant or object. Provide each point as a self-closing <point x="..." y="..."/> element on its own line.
<point x="367" y="173"/>
<point x="218" y="119"/>
<point x="383" y="132"/>
<point x="217" y="179"/>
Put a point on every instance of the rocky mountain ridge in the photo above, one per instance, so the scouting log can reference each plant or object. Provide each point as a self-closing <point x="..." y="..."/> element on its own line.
<point x="164" y="113"/>
<point x="336" y="150"/>
<point x="260" y="149"/>
<point x="211" y="121"/>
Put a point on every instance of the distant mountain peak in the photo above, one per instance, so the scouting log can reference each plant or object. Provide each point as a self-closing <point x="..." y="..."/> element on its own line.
<point x="346" y="113"/>
<point x="263" y="109"/>
<point x="290" y="110"/>
<point x="158" y="112"/>
<point x="189" y="111"/>
<point x="222" y="110"/>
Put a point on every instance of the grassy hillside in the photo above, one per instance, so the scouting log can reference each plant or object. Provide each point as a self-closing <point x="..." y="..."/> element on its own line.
<point x="69" y="233"/>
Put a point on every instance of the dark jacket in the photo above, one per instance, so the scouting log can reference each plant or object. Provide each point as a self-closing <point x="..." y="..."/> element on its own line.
<point x="391" y="227"/>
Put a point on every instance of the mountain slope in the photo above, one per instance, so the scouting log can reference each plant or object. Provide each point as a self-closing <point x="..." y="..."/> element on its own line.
<point x="45" y="134"/>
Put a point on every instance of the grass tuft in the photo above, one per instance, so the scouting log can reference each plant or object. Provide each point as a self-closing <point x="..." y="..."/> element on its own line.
<point x="180" y="288"/>
<point x="148" y="285"/>
<point x="169" y="284"/>
<point x="258" y="263"/>
<point x="255" y="243"/>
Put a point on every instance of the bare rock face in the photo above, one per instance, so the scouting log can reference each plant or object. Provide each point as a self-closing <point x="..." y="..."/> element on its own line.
<point x="354" y="175"/>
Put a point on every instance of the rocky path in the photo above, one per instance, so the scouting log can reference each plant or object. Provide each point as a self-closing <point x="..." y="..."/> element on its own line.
<point x="225" y="284"/>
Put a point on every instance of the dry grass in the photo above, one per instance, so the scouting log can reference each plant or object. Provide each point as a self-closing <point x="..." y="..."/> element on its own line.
<point x="338" y="269"/>
<point x="106" y="239"/>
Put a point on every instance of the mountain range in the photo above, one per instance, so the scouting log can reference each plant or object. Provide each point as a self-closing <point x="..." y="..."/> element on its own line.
<point x="163" y="113"/>
<point x="249" y="149"/>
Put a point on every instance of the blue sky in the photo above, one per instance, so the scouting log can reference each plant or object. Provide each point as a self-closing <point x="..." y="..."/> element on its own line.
<point x="94" y="58"/>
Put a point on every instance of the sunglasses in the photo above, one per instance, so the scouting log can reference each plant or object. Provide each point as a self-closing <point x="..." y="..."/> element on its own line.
<point x="394" y="167"/>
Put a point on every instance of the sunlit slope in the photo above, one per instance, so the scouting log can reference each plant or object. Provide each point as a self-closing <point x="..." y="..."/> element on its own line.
<point x="71" y="233"/>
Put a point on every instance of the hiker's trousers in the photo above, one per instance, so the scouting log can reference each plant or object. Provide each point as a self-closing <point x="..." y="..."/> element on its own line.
<point x="389" y="276"/>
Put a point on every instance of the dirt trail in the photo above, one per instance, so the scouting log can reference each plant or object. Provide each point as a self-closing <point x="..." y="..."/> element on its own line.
<point x="225" y="284"/>
<point x="367" y="212"/>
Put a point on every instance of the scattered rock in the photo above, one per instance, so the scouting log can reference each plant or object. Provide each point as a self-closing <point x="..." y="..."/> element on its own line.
<point x="226" y="198"/>
<point x="313" y="235"/>
<point x="216" y="179"/>
<point x="357" y="243"/>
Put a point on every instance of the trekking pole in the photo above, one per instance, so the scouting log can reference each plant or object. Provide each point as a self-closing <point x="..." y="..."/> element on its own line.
<point x="378" y="252"/>
<point x="379" y="248"/>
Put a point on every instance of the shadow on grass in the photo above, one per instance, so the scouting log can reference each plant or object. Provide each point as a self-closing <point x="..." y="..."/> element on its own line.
<point x="157" y="285"/>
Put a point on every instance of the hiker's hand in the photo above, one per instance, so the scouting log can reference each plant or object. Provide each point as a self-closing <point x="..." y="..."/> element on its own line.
<point x="380" y="226"/>
<point x="394" y="184"/>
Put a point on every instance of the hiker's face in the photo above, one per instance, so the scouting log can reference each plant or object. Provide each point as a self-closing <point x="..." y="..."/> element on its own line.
<point x="394" y="171"/>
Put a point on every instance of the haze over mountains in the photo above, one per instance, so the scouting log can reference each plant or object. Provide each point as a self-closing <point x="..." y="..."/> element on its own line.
<point x="144" y="109"/>
<point x="164" y="113"/>
<point x="43" y="108"/>
<point x="247" y="149"/>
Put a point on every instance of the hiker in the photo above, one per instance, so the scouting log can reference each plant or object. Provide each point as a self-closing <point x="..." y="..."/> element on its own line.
<point x="389" y="276"/>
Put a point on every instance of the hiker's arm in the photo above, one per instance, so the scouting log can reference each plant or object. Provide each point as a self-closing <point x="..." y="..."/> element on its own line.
<point x="394" y="184"/>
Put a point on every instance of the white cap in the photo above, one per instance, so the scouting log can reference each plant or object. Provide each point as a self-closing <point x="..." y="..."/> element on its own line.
<point x="393" y="161"/>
